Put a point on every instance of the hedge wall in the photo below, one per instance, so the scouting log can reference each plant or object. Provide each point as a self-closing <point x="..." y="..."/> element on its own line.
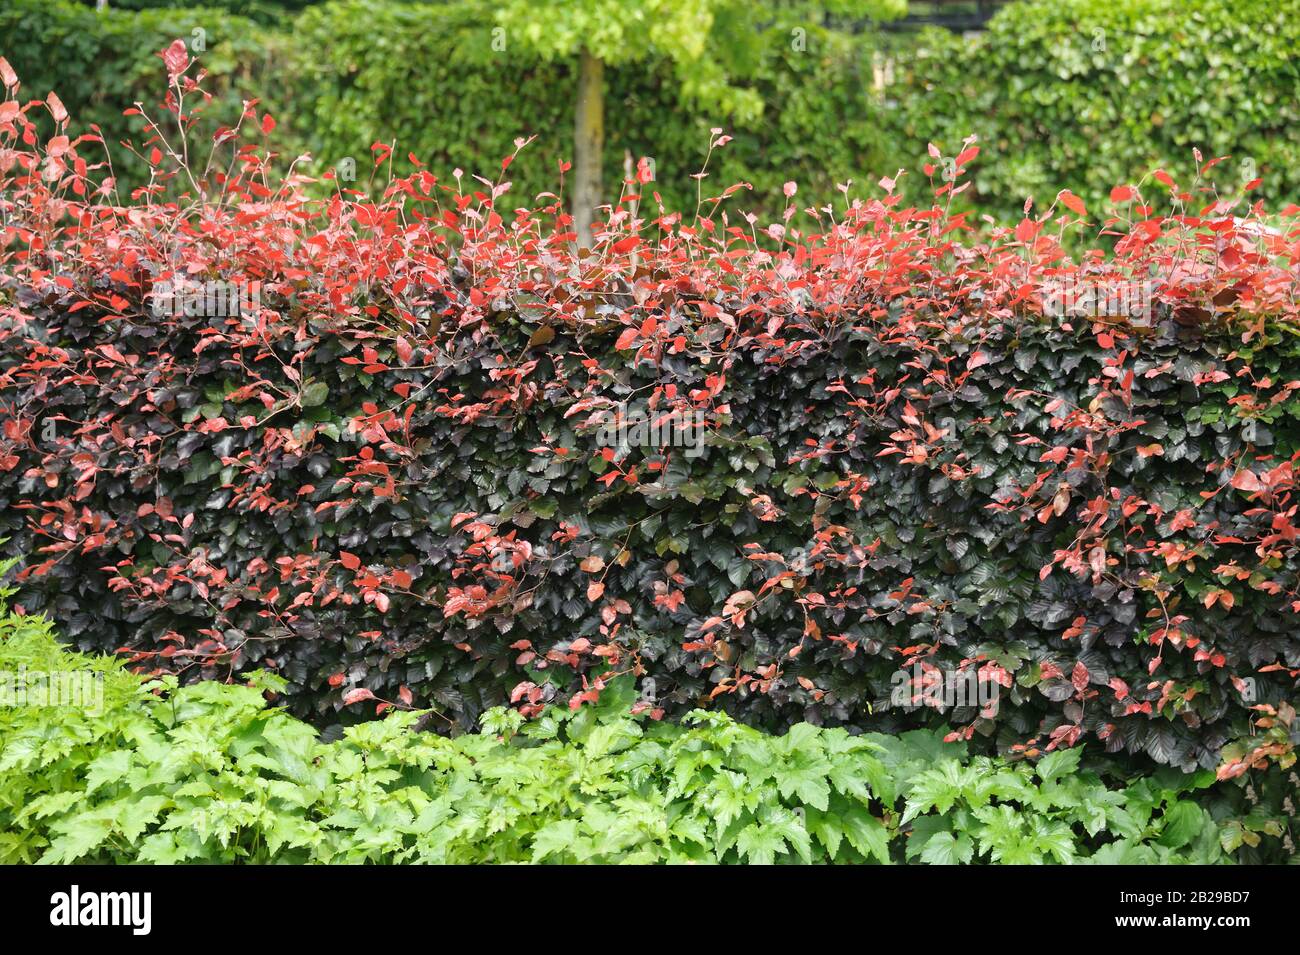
<point x="388" y="478"/>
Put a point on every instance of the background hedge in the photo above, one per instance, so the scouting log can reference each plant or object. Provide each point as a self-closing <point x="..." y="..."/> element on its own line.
<point x="1077" y="94"/>
<point x="426" y="77"/>
<point x="1084" y="94"/>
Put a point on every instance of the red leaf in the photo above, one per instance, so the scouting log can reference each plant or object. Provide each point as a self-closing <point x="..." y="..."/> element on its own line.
<point x="1072" y="202"/>
<point x="56" y="108"/>
<point x="1247" y="481"/>
<point x="175" y="57"/>
<point x="1079" y="677"/>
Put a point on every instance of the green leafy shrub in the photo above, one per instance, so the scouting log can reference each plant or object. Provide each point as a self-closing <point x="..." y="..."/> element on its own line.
<point x="101" y="63"/>
<point x="985" y="810"/>
<point x="351" y="83"/>
<point x="209" y="773"/>
<point x="342" y="74"/>
<point x="1078" y="94"/>
<point x="1087" y="94"/>
<point x="263" y="11"/>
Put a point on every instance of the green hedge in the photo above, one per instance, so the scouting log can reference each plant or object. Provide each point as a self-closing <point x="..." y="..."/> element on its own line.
<point x="1078" y="94"/>
<point x="1089" y="94"/>
<point x="263" y="11"/>
<point x="102" y="62"/>
<point x="209" y="773"/>
<point x="426" y="75"/>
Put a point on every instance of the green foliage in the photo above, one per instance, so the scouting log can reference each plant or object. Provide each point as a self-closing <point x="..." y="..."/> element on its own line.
<point x="1077" y="94"/>
<point x="263" y="11"/>
<point x="710" y="43"/>
<point x="208" y="773"/>
<point x="101" y="63"/>
<point x="350" y="83"/>
<point x="986" y="810"/>
<point x="340" y="77"/>
<point x="1087" y="94"/>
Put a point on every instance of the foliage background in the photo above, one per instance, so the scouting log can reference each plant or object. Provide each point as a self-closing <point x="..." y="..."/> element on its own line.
<point x="1077" y="94"/>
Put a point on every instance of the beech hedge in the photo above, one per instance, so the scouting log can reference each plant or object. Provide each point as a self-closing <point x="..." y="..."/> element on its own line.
<point x="399" y="476"/>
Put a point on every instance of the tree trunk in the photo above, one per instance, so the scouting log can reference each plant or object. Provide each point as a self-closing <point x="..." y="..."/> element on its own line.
<point x="588" y="144"/>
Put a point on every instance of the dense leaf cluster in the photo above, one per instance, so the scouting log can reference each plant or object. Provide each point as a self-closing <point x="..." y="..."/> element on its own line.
<point x="808" y="473"/>
<point x="1082" y="94"/>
